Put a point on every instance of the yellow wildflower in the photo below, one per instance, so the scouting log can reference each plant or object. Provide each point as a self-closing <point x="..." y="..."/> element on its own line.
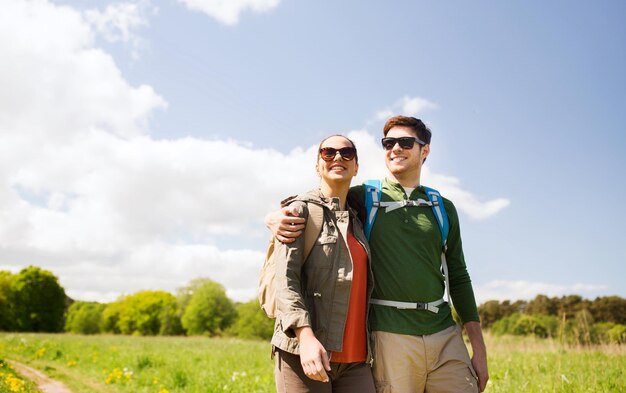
<point x="40" y="353"/>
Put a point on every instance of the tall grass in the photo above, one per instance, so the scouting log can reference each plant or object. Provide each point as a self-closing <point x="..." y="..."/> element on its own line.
<point x="527" y="364"/>
<point x="196" y="364"/>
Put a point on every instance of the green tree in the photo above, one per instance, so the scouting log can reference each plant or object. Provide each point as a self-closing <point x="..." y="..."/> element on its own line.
<point x="111" y="316"/>
<point x="144" y="313"/>
<point x="252" y="322"/>
<point x="38" y="301"/>
<point x="184" y="294"/>
<point x="571" y="305"/>
<point x="6" y="313"/>
<point x="490" y="312"/>
<point x="541" y="305"/>
<point x="609" y="309"/>
<point x="84" y="318"/>
<point x="209" y="310"/>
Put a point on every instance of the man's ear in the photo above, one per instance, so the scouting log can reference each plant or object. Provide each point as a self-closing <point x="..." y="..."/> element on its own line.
<point x="425" y="152"/>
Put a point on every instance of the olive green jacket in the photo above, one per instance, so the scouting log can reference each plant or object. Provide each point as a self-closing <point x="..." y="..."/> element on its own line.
<point x="316" y="292"/>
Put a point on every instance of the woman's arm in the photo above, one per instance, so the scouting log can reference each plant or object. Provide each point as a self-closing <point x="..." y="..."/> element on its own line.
<point x="293" y="313"/>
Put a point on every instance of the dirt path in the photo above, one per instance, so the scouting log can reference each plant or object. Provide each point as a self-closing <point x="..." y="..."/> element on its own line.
<point x="44" y="383"/>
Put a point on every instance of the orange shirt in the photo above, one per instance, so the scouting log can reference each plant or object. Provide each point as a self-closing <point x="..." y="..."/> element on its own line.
<point x="354" y="336"/>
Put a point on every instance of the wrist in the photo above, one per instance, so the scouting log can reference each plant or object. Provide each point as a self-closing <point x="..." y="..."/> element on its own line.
<point x="304" y="332"/>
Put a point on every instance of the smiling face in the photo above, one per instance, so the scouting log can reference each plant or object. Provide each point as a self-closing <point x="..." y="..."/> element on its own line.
<point x="405" y="164"/>
<point x="338" y="169"/>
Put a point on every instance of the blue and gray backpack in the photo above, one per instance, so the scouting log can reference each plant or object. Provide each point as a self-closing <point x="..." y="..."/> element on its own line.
<point x="373" y="196"/>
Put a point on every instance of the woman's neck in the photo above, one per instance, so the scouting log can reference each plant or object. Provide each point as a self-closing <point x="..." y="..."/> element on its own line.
<point x="336" y="191"/>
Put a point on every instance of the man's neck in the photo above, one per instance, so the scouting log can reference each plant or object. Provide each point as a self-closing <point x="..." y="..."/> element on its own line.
<point x="406" y="181"/>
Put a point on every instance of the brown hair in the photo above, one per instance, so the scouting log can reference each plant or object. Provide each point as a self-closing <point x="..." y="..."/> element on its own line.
<point x="416" y="125"/>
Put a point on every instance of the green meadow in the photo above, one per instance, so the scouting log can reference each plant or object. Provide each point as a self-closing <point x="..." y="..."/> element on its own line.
<point x="106" y="363"/>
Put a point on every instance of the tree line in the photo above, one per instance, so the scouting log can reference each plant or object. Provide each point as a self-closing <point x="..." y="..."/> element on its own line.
<point x="34" y="301"/>
<point x="571" y="318"/>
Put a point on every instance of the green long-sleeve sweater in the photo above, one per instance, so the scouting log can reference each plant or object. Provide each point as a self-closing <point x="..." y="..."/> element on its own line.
<point x="406" y="261"/>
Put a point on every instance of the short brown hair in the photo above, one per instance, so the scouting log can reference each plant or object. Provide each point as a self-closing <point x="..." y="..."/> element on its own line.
<point x="416" y="125"/>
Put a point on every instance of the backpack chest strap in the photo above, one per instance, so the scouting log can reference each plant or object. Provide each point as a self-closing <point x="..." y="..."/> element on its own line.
<point x="393" y="205"/>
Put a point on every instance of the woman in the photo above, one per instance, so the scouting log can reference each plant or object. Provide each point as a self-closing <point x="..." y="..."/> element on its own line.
<point x="320" y="336"/>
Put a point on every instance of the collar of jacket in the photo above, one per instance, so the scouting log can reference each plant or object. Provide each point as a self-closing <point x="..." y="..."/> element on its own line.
<point x="315" y="196"/>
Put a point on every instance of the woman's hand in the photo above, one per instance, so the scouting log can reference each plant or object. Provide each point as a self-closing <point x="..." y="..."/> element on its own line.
<point x="313" y="356"/>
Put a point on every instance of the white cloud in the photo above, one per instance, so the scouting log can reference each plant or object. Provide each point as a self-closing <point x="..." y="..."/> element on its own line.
<point x="57" y="85"/>
<point x="86" y="192"/>
<point x="412" y="106"/>
<point x="119" y="22"/>
<point x="465" y="201"/>
<point x="228" y="11"/>
<point x="526" y="290"/>
<point x="406" y="106"/>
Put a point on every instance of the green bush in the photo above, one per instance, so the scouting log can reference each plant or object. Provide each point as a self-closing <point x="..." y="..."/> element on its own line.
<point x="252" y="322"/>
<point x="527" y="325"/>
<point x="209" y="310"/>
<point x="505" y="325"/>
<point x="617" y="334"/>
<point x="84" y="318"/>
<point x="145" y="313"/>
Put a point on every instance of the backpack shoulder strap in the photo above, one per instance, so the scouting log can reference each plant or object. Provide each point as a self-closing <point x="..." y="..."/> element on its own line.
<point x="444" y="226"/>
<point x="373" y="195"/>
<point x="440" y="214"/>
<point x="313" y="227"/>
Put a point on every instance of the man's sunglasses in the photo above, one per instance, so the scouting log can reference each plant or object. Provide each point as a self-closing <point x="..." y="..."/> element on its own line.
<point x="405" y="142"/>
<point x="329" y="153"/>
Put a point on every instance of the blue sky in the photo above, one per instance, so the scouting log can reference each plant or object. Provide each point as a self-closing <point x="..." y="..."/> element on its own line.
<point x="142" y="142"/>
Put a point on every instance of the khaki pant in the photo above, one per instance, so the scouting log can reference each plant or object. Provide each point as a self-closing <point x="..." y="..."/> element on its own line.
<point x="435" y="363"/>
<point x="344" y="377"/>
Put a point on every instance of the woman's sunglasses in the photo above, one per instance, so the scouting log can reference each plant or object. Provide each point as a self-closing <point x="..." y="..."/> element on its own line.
<point x="329" y="153"/>
<point x="405" y="142"/>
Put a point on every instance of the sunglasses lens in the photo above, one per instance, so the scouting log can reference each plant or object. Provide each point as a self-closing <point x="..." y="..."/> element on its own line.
<point x="347" y="153"/>
<point x="388" y="143"/>
<point x="406" y="142"/>
<point x="328" y="153"/>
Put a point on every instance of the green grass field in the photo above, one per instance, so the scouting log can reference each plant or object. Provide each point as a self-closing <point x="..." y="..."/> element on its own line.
<point x="196" y="364"/>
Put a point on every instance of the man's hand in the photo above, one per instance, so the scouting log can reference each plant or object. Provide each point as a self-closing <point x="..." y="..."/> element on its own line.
<point x="479" y="352"/>
<point x="479" y="362"/>
<point x="285" y="224"/>
<point x="313" y="356"/>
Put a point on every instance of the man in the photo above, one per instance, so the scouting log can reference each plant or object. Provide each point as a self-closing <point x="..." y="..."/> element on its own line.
<point x="415" y="350"/>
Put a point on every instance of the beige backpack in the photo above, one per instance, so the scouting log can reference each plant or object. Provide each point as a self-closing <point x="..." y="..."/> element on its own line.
<point x="267" y="277"/>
